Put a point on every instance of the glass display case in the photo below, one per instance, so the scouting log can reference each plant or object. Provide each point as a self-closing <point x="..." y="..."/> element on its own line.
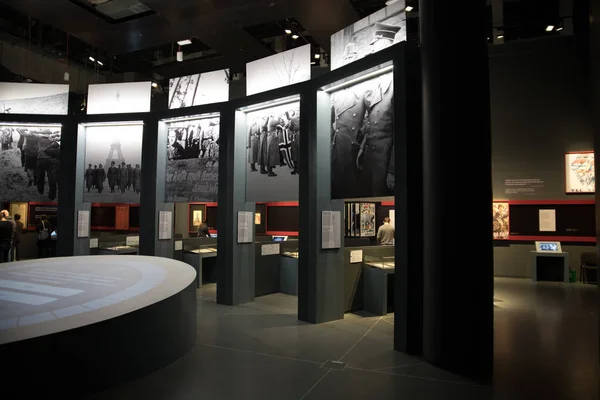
<point x="110" y="249"/>
<point x="382" y="262"/>
<point x="200" y="249"/>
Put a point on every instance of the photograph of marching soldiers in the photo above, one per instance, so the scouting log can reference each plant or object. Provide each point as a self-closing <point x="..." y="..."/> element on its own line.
<point x="361" y="39"/>
<point x="29" y="163"/>
<point x="113" y="161"/>
<point x="362" y="139"/>
<point x="192" y="160"/>
<point x="273" y="150"/>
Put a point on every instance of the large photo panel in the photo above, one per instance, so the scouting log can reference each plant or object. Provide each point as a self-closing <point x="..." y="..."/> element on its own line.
<point x="199" y="89"/>
<point x="273" y="146"/>
<point x="369" y="35"/>
<point x="192" y="172"/>
<point x="279" y="70"/>
<point x="29" y="162"/>
<point x="362" y="139"/>
<point x="113" y="162"/>
<point x="33" y="98"/>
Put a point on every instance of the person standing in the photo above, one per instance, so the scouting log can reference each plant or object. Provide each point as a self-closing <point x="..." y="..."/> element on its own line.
<point x="19" y="227"/>
<point x="253" y="145"/>
<point x="272" y="159"/>
<point x="6" y="236"/>
<point x="137" y="179"/>
<point x="44" y="240"/>
<point x="100" y="177"/>
<point x="113" y="174"/>
<point x="385" y="233"/>
<point x="293" y="127"/>
<point x="129" y="177"/>
<point x="203" y="231"/>
<point x="123" y="174"/>
<point x="45" y="166"/>
<point x="262" y="146"/>
<point x="89" y="178"/>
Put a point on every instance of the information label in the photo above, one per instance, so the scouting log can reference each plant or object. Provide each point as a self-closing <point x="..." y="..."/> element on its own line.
<point x="83" y="223"/>
<point x="178" y="245"/>
<point x="356" y="256"/>
<point x="165" y="223"/>
<point x="245" y="226"/>
<point x="269" y="249"/>
<point x="93" y="243"/>
<point x="331" y="230"/>
<point x="547" y="220"/>
<point x="132" y="240"/>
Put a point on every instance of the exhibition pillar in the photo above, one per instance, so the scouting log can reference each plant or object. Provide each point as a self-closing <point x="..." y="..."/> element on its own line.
<point x="235" y="274"/>
<point x="69" y="191"/>
<point x="320" y="271"/>
<point x="457" y="189"/>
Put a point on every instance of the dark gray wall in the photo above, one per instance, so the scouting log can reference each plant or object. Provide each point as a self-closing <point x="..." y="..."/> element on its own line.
<point x="539" y="104"/>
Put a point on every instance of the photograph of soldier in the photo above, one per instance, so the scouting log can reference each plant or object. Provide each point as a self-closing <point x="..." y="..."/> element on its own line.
<point x="192" y="160"/>
<point x="29" y="163"/>
<point x="500" y="221"/>
<point x="356" y="41"/>
<point x="273" y="146"/>
<point x="114" y="150"/>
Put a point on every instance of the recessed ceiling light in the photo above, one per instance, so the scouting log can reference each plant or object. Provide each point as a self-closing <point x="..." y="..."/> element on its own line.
<point x="100" y="62"/>
<point x="549" y="28"/>
<point x="288" y="32"/>
<point x="408" y="9"/>
<point x="313" y="62"/>
<point x="295" y="37"/>
<point x="500" y="36"/>
<point x="559" y="29"/>
<point x="92" y="59"/>
<point x="317" y="55"/>
<point x="184" y="42"/>
<point x="154" y="84"/>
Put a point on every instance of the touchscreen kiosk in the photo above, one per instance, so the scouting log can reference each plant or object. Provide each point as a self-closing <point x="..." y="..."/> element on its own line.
<point x="280" y="238"/>
<point x="547" y="246"/>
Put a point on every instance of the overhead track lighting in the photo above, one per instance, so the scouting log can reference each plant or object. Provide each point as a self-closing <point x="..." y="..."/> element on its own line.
<point x="92" y="59"/>
<point x="408" y="8"/>
<point x="184" y="42"/>
<point x="317" y="56"/>
<point x="100" y="63"/>
<point x="295" y="37"/>
<point x="154" y="85"/>
<point x="500" y="36"/>
<point x="559" y="29"/>
<point x="549" y="28"/>
<point x="288" y="32"/>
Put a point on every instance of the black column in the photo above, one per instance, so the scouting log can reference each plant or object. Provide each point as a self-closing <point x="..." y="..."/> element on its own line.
<point x="457" y="189"/>
<point x="67" y="188"/>
<point x="148" y="198"/>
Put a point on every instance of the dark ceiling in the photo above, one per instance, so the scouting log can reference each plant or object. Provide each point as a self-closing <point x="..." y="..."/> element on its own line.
<point x="219" y="29"/>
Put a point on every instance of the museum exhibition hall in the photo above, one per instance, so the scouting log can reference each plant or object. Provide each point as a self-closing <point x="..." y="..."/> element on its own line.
<point x="206" y="199"/>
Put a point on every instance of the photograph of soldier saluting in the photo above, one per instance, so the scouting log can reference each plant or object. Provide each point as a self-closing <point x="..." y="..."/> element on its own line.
<point x="29" y="163"/>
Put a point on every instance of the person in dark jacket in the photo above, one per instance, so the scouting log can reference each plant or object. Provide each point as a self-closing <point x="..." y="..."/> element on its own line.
<point x="89" y="177"/>
<point x="203" y="230"/>
<point x="44" y="229"/>
<point x="112" y="176"/>
<point x="19" y="227"/>
<point x="100" y="177"/>
<point x="129" y="177"/>
<point x="123" y="175"/>
<point x="137" y="179"/>
<point x="6" y="236"/>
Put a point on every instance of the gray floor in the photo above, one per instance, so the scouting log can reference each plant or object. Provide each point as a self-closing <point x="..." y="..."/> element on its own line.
<point x="546" y="343"/>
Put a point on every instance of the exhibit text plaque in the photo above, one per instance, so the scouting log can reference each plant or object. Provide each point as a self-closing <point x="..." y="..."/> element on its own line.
<point x="269" y="249"/>
<point x="245" y="228"/>
<point x="83" y="223"/>
<point x="165" y="222"/>
<point x="330" y="229"/>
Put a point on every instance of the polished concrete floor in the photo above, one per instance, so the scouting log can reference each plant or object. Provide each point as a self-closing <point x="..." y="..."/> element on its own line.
<point x="546" y="347"/>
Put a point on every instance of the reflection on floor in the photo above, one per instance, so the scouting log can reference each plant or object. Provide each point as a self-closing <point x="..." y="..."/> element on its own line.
<point x="546" y="343"/>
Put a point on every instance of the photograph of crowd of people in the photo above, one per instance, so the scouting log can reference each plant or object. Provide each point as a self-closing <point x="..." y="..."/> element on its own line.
<point x="192" y="160"/>
<point x="273" y="148"/>
<point x="29" y="163"/>
<point x="113" y="161"/>
<point x="362" y="139"/>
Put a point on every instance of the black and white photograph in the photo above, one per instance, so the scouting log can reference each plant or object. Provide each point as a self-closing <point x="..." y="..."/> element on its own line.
<point x="362" y="139"/>
<point x="192" y="161"/>
<point x="29" y="163"/>
<point x="279" y="70"/>
<point x="199" y="89"/>
<point x="119" y="98"/>
<point x="113" y="164"/>
<point x="273" y="147"/>
<point x="34" y="98"/>
<point x="369" y="35"/>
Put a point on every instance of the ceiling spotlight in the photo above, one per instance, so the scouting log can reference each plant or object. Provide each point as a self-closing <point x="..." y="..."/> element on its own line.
<point x="288" y="32"/>
<point x="500" y="36"/>
<point x="408" y="9"/>
<point x="559" y="29"/>
<point x="92" y="59"/>
<point x="184" y="42"/>
<point x="317" y="56"/>
<point x="295" y="37"/>
<point x="179" y="55"/>
<point x="313" y="62"/>
<point x="154" y="85"/>
<point x="549" y="28"/>
<point x="100" y="63"/>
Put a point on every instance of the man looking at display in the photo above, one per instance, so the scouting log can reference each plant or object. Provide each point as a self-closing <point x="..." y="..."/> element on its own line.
<point x="203" y="231"/>
<point x="385" y="233"/>
<point x="7" y="230"/>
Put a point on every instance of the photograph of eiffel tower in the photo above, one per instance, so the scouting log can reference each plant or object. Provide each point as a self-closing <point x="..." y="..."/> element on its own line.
<point x="113" y="161"/>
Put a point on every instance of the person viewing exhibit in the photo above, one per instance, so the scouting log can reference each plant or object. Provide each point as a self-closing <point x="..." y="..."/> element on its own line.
<point x="7" y="230"/>
<point x="44" y="240"/>
<point x="19" y="230"/>
<point x="385" y="233"/>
